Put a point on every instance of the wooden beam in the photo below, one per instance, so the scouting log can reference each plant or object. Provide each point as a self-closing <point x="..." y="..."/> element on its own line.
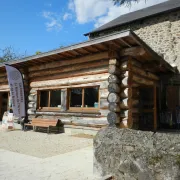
<point x="114" y="107"/>
<point x="113" y="88"/>
<point x="114" y="70"/>
<point x="113" y="79"/>
<point x="92" y="71"/>
<point x="113" y="98"/>
<point x="64" y="99"/>
<point x="71" y="80"/>
<point x="124" y="42"/>
<point x="113" y="118"/>
<point x="140" y="80"/>
<point x="114" y="62"/>
<point x="133" y="51"/>
<point x="71" y="68"/>
<point x="87" y="58"/>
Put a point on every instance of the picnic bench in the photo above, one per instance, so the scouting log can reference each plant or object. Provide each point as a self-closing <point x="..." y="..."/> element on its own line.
<point x="44" y="123"/>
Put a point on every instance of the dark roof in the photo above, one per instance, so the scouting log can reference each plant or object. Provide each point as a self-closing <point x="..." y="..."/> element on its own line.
<point x="140" y="14"/>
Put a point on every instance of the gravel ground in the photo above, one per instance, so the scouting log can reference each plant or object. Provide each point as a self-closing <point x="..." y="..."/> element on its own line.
<point x="40" y="144"/>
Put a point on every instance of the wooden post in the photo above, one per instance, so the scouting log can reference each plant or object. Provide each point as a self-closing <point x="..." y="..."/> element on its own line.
<point x="155" y="108"/>
<point x="113" y="98"/>
<point x="64" y="101"/>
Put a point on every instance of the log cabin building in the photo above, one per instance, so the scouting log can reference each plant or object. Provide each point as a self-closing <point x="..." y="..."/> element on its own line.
<point x="123" y="75"/>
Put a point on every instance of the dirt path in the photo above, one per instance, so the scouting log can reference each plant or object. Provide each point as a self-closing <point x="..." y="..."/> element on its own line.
<point x="41" y="144"/>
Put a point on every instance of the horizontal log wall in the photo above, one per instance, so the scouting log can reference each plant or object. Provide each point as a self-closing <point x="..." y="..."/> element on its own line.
<point x="87" y="71"/>
<point x="132" y="77"/>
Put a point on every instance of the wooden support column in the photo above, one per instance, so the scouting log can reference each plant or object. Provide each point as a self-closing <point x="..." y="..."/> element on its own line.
<point x="155" y="108"/>
<point x="64" y="101"/>
<point x="129" y="92"/>
<point x="113" y="98"/>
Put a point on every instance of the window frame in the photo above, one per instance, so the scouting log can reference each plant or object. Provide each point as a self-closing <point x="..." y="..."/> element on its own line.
<point x="49" y="101"/>
<point x="83" y="109"/>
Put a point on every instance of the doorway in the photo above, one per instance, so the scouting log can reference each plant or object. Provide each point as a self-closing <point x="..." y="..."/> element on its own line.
<point x="4" y="96"/>
<point x="148" y="108"/>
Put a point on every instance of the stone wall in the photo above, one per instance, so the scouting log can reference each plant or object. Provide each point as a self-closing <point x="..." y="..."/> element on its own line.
<point x="161" y="33"/>
<point x="137" y="155"/>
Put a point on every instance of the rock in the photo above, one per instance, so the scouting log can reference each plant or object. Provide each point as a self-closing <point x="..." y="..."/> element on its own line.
<point x="131" y="154"/>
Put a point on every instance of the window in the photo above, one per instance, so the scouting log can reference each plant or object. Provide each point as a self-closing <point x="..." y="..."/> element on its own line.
<point x="50" y="99"/>
<point x="84" y="98"/>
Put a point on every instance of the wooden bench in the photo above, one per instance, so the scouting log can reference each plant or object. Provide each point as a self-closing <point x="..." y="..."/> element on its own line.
<point x="45" y="123"/>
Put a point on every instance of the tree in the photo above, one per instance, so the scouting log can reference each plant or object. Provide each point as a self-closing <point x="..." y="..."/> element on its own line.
<point x="38" y="52"/>
<point x="124" y="2"/>
<point x="9" y="54"/>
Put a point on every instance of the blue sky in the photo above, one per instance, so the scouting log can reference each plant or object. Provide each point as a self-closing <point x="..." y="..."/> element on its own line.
<point x="45" y="25"/>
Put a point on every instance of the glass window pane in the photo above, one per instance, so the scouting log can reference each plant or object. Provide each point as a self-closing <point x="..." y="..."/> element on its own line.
<point x="55" y="98"/>
<point x="76" y="97"/>
<point x="44" y="98"/>
<point x="91" y="97"/>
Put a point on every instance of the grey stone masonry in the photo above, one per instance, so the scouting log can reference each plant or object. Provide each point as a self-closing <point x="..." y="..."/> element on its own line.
<point x="128" y="154"/>
<point x="161" y="33"/>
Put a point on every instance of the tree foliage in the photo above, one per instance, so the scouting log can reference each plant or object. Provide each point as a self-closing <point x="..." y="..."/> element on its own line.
<point x="124" y="2"/>
<point x="9" y="54"/>
<point x="38" y="52"/>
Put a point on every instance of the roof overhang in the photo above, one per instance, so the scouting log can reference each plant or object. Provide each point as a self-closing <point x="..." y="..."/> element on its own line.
<point x="122" y="40"/>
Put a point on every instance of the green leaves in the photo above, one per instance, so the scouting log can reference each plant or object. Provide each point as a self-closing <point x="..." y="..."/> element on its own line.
<point x="9" y="54"/>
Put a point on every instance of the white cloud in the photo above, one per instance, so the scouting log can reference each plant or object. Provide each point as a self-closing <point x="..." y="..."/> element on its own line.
<point x="90" y="9"/>
<point x="103" y="11"/>
<point x="71" y="5"/>
<point x="67" y="16"/>
<point x="54" y="21"/>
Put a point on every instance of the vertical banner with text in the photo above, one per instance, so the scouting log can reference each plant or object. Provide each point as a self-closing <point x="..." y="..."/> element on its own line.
<point x="16" y="91"/>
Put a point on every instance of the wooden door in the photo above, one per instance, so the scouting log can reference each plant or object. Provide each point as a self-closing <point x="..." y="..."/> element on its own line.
<point x="148" y="108"/>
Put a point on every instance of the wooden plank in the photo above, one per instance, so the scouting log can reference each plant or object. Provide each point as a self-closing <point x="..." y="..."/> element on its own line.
<point x="68" y="68"/>
<point x="143" y="73"/>
<point x="140" y="80"/>
<point x="128" y="103"/>
<point x="88" y="58"/>
<point x="133" y="51"/>
<point x="69" y="86"/>
<point x="70" y="80"/>
<point x="98" y="70"/>
<point x="76" y="114"/>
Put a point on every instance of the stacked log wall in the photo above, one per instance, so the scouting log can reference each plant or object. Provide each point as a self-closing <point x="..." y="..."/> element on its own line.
<point x="132" y="77"/>
<point x="113" y="116"/>
<point x="87" y="71"/>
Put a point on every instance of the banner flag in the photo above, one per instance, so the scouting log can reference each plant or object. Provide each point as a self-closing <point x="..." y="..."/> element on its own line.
<point x="16" y="86"/>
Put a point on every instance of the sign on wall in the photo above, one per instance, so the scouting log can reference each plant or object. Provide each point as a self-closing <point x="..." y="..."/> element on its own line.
<point x="16" y="86"/>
